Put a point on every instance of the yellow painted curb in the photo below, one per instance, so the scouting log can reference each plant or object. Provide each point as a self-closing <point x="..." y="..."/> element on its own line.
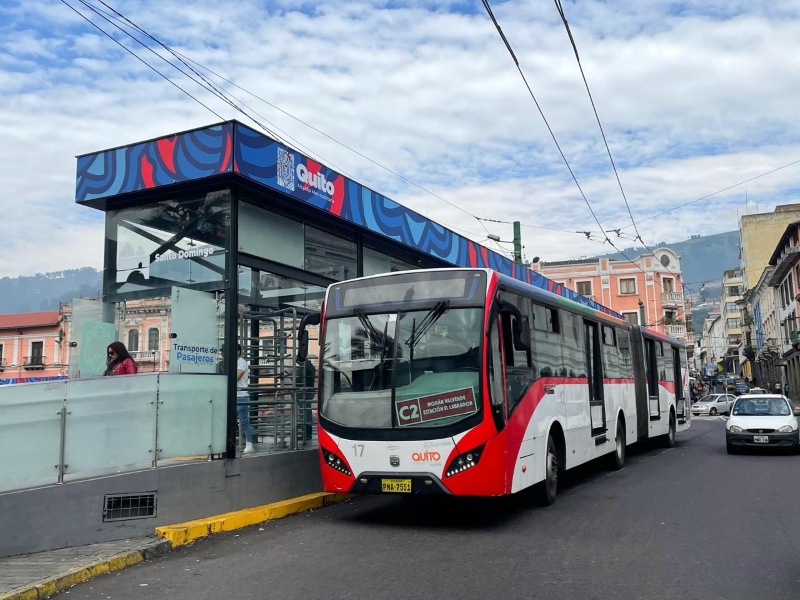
<point x="44" y="588"/>
<point x="184" y="533"/>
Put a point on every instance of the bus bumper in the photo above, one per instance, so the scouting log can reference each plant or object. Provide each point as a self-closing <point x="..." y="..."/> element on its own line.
<point x="401" y="484"/>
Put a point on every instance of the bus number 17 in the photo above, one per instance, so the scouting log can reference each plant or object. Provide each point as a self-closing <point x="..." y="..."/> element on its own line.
<point x="358" y="449"/>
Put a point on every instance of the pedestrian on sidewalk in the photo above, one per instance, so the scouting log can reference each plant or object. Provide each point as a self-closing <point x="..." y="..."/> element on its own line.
<point x="119" y="361"/>
<point x="242" y="397"/>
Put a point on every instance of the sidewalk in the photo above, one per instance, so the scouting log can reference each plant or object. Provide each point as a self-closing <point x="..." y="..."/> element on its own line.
<point x="41" y="575"/>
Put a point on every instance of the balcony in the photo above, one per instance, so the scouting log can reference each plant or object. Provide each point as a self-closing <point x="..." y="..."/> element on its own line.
<point x="34" y="363"/>
<point x="672" y="299"/>
<point x="784" y="265"/>
<point x="144" y="357"/>
<point x="675" y="330"/>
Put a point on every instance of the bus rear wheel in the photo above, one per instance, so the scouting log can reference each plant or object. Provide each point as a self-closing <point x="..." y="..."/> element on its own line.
<point x="546" y="491"/>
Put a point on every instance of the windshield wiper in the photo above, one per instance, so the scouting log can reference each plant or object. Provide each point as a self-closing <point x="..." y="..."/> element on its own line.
<point x="426" y="323"/>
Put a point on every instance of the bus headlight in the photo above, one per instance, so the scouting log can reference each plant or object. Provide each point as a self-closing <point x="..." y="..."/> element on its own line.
<point x="335" y="462"/>
<point x="465" y="461"/>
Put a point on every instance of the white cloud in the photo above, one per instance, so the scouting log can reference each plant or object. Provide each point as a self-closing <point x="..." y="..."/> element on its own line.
<point x="692" y="98"/>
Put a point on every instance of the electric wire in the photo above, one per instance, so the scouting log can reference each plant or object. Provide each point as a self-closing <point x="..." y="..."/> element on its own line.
<point x="221" y="93"/>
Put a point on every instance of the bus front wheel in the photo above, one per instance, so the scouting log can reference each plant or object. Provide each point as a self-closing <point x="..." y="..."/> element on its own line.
<point x="546" y="491"/>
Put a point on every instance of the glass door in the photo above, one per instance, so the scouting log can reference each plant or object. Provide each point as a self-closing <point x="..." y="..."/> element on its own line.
<point x="594" y="368"/>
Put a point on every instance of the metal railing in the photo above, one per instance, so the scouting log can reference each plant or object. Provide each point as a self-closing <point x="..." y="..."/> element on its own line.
<point x="34" y="362"/>
<point x="93" y="427"/>
<point x="673" y="330"/>
<point x="281" y="394"/>
<point x="672" y="298"/>
<point x="142" y="356"/>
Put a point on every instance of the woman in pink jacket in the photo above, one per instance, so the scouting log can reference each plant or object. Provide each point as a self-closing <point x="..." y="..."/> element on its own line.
<point x="119" y="361"/>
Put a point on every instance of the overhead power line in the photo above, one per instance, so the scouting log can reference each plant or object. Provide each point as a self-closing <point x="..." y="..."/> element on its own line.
<point x="539" y="108"/>
<point x="730" y="187"/>
<point x="560" y="9"/>
<point x="488" y="8"/>
<point x="225" y="96"/>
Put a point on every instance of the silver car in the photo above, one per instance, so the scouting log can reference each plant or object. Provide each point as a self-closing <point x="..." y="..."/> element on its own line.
<point x="713" y="404"/>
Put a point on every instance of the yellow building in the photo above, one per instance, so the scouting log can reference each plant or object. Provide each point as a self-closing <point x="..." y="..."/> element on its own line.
<point x="758" y="235"/>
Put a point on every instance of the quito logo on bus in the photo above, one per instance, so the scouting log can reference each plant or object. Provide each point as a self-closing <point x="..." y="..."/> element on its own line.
<point x="426" y="456"/>
<point x="315" y="180"/>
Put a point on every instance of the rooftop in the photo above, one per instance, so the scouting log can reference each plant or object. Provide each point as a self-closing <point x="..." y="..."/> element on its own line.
<point x="30" y="320"/>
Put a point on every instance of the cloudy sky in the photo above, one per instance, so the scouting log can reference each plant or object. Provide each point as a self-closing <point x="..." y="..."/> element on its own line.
<point x="694" y="96"/>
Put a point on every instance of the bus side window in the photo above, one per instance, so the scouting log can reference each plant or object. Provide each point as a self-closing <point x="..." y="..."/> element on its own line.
<point x="625" y="361"/>
<point x="546" y="343"/>
<point x="573" y="358"/>
<point x="519" y="375"/>
<point x="494" y="366"/>
<point x="610" y="353"/>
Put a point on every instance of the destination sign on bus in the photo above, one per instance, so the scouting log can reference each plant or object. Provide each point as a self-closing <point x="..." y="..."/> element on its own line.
<point x="436" y="406"/>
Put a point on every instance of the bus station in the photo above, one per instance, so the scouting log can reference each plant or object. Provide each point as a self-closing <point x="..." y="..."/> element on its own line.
<point x="220" y="236"/>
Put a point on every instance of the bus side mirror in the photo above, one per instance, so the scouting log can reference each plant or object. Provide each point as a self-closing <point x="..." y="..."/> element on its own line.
<point x="302" y="335"/>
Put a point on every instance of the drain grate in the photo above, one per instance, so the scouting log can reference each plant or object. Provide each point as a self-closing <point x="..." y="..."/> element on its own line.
<point x="121" y="507"/>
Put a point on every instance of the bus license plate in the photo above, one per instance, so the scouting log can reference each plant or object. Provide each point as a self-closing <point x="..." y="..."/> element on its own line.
<point x="396" y="485"/>
<point x="761" y="439"/>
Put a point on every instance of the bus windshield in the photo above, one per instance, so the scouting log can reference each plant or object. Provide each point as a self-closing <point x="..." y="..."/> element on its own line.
<point x="402" y="369"/>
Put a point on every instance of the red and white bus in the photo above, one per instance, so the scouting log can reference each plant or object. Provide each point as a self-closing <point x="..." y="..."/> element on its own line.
<point x="468" y="382"/>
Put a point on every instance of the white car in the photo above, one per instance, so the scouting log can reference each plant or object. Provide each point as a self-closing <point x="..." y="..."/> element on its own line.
<point x="713" y="404"/>
<point x="762" y="421"/>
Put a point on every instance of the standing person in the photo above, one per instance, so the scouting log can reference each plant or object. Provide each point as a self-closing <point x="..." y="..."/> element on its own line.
<point x="242" y="409"/>
<point x="120" y="361"/>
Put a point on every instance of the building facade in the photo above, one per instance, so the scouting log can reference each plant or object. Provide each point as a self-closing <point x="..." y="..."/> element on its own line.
<point x="730" y="309"/>
<point x="33" y="346"/>
<point x="763" y="322"/>
<point x="785" y="279"/>
<point x="758" y="235"/>
<point x="652" y="283"/>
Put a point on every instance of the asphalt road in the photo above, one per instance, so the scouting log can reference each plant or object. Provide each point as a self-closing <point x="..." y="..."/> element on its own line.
<point x="690" y="523"/>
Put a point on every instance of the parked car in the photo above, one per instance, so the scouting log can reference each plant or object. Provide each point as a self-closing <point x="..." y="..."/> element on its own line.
<point x="762" y="421"/>
<point x="758" y="390"/>
<point x="730" y="384"/>
<point x="713" y="404"/>
<point x="741" y="388"/>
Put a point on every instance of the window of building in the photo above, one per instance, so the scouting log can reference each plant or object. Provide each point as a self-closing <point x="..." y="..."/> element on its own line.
<point x="152" y="339"/>
<point x="584" y="288"/>
<point x="174" y="242"/>
<point x="267" y="235"/>
<point x="668" y="284"/>
<point x="627" y="286"/>
<point x="733" y="290"/>
<point x="37" y="353"/>
<point x="329" y="255"/>
<point x="731" y="307"/>
<point x="376" y="263"/>
<point x="133" y="340"/>
<point x="631" y="317"/>
<point x="670" y="316"/>
<point x="734" y="323"/>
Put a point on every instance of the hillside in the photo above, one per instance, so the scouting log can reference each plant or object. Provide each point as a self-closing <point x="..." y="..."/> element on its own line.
<point x="703" y="258"/>
<point x="44" y="291"/>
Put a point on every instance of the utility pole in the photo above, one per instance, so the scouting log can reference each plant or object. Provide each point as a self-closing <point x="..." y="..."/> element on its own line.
<point x="517" y="243"/>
